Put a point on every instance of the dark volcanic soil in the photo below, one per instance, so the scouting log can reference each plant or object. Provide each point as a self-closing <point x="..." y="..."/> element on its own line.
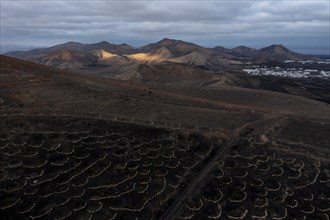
<point x="56" y="167"/>
<point x="83" y="147"/>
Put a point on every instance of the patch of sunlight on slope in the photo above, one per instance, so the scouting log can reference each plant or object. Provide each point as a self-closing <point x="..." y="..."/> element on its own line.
<point x="147" y="58"/>
<point x="104" y="55"/>
<point x="160" y="55"/>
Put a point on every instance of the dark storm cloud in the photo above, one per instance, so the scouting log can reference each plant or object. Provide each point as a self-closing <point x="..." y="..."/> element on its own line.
<point x="209" y="23"/>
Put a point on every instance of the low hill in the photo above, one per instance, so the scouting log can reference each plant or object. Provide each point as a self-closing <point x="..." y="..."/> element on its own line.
<point x="243" y="51"/>
<point x="278" y="53"/>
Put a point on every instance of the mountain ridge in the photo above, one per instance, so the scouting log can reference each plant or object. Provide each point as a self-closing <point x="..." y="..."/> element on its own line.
<point x="77" y="56"/>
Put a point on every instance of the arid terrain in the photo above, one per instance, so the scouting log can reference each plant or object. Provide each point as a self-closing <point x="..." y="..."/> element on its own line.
<point x="203" y="146"/>
<point x="173" y="62"/>
<point x="124" y="61"/>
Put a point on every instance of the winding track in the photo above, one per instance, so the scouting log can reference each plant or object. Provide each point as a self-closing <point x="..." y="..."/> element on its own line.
<point x="179" y="201"/>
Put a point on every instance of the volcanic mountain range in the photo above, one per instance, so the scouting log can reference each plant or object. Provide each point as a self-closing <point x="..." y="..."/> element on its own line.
<point x="124" y="61"/>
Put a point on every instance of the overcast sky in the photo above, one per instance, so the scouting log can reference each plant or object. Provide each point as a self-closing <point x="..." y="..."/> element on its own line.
<point x="300" y="25"/>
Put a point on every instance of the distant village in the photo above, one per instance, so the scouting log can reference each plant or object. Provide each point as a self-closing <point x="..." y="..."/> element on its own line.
<point x="259" y="70"/>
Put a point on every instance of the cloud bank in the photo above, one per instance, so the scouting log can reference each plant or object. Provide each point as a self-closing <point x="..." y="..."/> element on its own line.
<point x="300" y="24"/>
